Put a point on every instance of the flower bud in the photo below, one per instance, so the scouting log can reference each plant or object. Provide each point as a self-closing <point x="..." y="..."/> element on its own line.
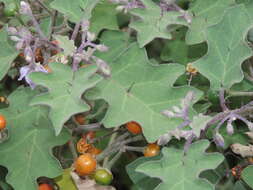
<point x="168" y="113"/>
<point x="28" y="54"/>
<point x="102" y="48"/>
<point x="186" y="133"/>
<point x="177" y="109"/>
<point x="164" y="139"/>
<point x="219" y="140"/>
<point x="12" y="30"/>
<point x="61" y="58"/>
<point x="91" y="36"/>
<point x="120" y="8"/>
<point x="20" y="45"/>
<point x="230" y="128"/>
<point x="24" y="8"/>
<point x="103" y="68"/>
<point x="250" y="126"/>
<point x="15" y="38"/>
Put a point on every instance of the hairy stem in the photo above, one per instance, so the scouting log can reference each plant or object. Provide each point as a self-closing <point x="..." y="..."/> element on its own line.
<point x="132" y="148"/>
<point x="75" y="32"/>
<point x="222" y="100"/>
<point x="240" y="93"/>
<point x="112" y="139"/>
<point x="246" y="109"/>
<point x="113" y="160"/>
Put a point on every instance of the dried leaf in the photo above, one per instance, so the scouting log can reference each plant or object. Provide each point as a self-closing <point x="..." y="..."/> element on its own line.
<point x="244" y="151"/>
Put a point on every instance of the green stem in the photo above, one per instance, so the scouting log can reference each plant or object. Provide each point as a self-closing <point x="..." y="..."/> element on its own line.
<point x="100" y="110"/>
<point x="113" y="160"/>
<point x="102" y="137"/>
<point x="136" y="149"/>
<point x="113" y="148"/>
<point x="118" y="145"/>
<point x="112" y="139"/>
<point x="240" y="93"/>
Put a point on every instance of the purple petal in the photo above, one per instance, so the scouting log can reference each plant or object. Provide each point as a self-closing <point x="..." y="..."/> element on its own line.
<point x="26" y="70"/>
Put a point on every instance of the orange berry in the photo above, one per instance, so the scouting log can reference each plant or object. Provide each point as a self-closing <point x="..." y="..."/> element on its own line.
<point x="134" y="127"/>
<point x="2" y="122"/>
<point x="85" y="164"/>
<point x="151" y="150"/>
<point x="45" y="186"/>
<point x="80" y="119"/>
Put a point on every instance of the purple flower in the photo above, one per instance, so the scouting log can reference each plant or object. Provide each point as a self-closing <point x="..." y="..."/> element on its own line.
<point x="26" y="70"/>
<point x="25" y="34"/>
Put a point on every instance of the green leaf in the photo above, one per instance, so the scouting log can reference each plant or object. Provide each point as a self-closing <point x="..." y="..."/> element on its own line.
<point x="65" y="88"/>
<point x="153" y="23"/>
<point x="239" y="186"/>
<point x="7" y="53"/>
<point x="76" y="10"/>
<point x="227" y="49"/>
<point x="199" y="122"/>
<point x="66" y="44"/>
<point x="45" y="25"/>
<point x="141" y="180"/>
<point x="117" y="43"/>
<point x="140" y="91"/>
<point x="206" y="13"/>
<point x="27" y="154"/>
<point x="180" y="172"/>
<point x="177" y="51"/>
<point x="247" y="175"/>
<point x="65" y="181"/>
<point x="104" y="16"/>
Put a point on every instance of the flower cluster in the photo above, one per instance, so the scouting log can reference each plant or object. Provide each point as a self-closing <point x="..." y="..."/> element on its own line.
<point x="180" y="112"/>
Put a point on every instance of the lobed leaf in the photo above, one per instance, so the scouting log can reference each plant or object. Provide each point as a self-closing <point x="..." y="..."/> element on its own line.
<point x="27" y="154"/>
<point x="139" y="91"/>
<point x="205" y="14"/>
<point x="65" y="88"/>
<point x="153" y="22"/>
<point x="7" y="53"/>
<point x="104" y="16"/>
<point x="227" y="49"/>
<point x="247" y="175"/>
<point x="179" y="171"/>
<point x="76" y="10"/>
